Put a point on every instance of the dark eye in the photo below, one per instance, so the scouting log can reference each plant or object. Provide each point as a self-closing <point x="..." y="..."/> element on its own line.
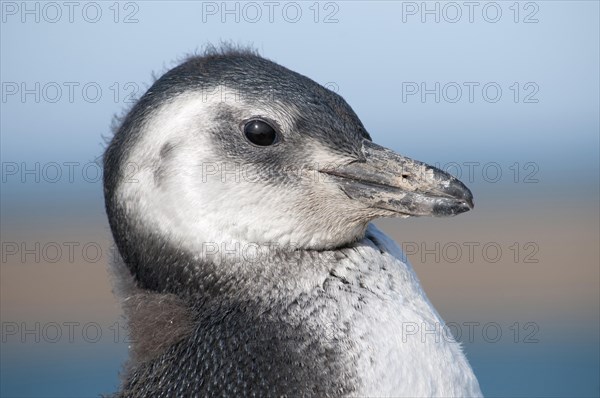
<point x="260" y="133"/>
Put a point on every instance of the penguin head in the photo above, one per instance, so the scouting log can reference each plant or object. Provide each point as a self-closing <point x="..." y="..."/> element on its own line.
<point x="231" y="147"/>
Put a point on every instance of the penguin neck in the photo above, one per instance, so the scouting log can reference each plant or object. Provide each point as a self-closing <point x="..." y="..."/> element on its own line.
<point x="260" y="273"/>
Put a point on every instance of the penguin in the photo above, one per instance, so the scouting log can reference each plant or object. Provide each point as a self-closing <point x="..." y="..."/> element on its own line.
<point x="240" y="196"/>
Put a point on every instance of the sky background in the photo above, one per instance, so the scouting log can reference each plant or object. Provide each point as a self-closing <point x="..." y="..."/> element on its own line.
<point x="525" y="140"/>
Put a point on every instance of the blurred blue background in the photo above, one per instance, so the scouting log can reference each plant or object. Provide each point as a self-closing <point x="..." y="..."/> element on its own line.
<point x="525" y="139"/>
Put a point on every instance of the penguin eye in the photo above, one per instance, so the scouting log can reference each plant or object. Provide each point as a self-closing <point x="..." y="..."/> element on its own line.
<point x="260" y="133"/>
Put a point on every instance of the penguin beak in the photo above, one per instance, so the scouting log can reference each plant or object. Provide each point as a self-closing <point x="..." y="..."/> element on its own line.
<point x="386" y="180"/>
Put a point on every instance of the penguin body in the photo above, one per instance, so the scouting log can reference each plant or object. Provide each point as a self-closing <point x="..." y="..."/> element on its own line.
<point x="324" y="304"/>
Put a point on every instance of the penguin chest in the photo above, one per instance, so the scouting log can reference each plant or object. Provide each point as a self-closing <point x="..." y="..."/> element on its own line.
<point x="398" y="343"/>
<point x="402" y="350"/>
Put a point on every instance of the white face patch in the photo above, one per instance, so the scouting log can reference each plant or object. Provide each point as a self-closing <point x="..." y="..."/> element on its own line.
<point x="184" y="189"/>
